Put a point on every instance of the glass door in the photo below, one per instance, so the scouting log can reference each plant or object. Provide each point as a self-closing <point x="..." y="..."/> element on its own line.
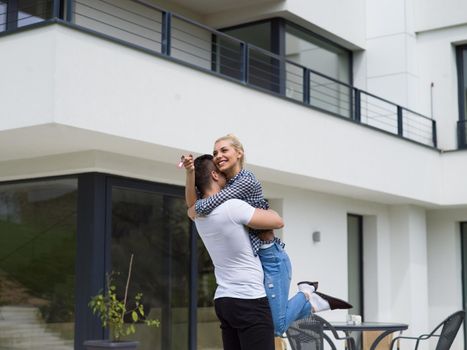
<point x="37" y="264"/>
<point x="464" y="271"/>
<point x="171" y="266"/>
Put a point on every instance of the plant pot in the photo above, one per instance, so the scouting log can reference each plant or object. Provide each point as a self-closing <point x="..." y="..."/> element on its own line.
<point x="108" y="344"/>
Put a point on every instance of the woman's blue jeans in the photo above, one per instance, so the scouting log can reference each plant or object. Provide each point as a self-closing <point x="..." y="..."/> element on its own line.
<point x="277" y="276"/>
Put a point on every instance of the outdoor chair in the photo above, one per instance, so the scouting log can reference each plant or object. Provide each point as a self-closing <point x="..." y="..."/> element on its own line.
<point x="449" y="328"/>
<point x="309" y="334"/>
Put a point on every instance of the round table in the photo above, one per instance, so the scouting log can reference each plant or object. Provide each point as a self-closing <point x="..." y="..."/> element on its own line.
<point x="385" y="327"/>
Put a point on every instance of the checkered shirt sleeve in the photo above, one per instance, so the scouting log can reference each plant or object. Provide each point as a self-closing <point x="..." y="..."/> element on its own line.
<point x="243" y="186"/>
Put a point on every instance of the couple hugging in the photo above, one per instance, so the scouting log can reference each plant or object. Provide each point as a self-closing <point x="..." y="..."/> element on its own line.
<point x="253" y="272"/>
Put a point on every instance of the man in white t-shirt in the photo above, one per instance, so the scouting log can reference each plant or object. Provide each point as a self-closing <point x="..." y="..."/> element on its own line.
<point x="240" y="300"/>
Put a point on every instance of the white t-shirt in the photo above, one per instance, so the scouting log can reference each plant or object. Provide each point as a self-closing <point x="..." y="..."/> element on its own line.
<point x="238" y="272"/>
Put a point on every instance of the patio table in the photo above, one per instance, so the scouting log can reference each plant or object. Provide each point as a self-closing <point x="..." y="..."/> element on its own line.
<point x="385" y="327"/>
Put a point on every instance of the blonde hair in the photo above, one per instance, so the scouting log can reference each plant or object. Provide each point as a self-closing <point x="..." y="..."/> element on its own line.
<point x="236" y="144"/>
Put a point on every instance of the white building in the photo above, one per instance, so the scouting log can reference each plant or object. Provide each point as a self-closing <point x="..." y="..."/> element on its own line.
<point x="352" y="114"/>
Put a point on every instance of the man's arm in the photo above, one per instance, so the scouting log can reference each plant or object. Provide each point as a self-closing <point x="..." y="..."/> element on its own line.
<point x="265" y="220"/>
<point x="191" y="212"/>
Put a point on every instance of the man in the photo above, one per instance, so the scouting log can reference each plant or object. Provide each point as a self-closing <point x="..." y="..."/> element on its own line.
<point x="240" y="300"/>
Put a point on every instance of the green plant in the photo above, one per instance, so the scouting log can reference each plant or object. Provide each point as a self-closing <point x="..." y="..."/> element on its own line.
<point x="112" y="311"/>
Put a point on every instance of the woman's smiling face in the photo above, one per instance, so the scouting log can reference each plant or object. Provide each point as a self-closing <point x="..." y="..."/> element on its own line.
<point x="227" y="158"/>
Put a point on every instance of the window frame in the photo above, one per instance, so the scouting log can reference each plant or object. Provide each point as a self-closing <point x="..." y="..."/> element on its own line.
<point x="461" y="51"/>
<point x="93" y="241"/>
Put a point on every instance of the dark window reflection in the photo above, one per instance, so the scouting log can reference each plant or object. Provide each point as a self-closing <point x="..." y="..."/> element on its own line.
<point x="3" y="16"/>
<point x="154" y="227"/>
<point x="37" y="264"/>
<point x="464" y="89"/>
<point x="33" y="11"/>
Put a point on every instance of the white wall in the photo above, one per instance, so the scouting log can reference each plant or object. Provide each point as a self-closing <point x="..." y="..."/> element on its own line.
<point x="114" y="90"/>
<point x="434" y="14"/>
<point x="391" y="58"/>
<point x="340" y="21"/>
<point x="437" y="65"/>
<point x="344" y="19"/>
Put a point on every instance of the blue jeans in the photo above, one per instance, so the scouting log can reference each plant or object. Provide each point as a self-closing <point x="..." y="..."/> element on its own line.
<point x="277" y="276"/>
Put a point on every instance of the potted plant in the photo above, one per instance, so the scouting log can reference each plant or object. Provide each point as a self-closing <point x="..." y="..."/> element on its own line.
<point x="112" y="311"/>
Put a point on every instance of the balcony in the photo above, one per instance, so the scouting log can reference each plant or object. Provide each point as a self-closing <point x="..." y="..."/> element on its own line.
<point x="144" y="26"/>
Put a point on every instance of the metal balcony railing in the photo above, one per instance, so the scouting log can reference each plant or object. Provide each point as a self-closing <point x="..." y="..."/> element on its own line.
<point x="141" y="24"/>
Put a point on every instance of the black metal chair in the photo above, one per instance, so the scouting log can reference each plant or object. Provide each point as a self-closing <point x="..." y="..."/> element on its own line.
<point x="309" y="334"/>
<point x="449" y="328"/>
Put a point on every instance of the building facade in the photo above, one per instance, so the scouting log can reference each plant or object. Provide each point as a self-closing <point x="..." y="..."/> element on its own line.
<point x="352" y="114"/>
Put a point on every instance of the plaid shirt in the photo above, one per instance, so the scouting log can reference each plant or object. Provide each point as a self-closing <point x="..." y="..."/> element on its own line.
<point x="242" y="186"/>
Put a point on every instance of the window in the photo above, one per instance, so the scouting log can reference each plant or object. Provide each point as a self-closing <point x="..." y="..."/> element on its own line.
<point x="293" y="48"/>
<point x="355" y="262"/>
<point x="355" y="267"/>
<point x="98" y="220"/>
<point x="37" y="263"/>
<point x="3" y="16"/>
<point x="32" y="11"/>
<point x="264" y="69"/>
<point x="20" y="13"/>
<point x="464" y="270"/>
<point x="462" y="83"/>
<point x="171" y="266"/>
<point x="324" y="57"/>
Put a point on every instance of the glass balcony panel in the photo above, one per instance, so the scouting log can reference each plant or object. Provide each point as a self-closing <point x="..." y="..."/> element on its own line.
<point x="330" y="96"/>
<point x="3" y="10"/>
<point x="264" y="70"/>
<point x="191" y="43"/>
<point x="320" y="55"/>
<point x="294" y="82"/>
<point x="227" y="59"/>
<point x="417" y="128"/>
<point x="33" y="11"/>
<point x="122" y="19"/>
<point x="378" y="113"/>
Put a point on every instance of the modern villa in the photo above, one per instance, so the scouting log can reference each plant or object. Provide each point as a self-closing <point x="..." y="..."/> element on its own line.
<point x="352" y="114"/>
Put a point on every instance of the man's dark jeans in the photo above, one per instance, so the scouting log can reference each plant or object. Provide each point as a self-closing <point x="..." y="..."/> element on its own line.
<point x="246" y="323"/>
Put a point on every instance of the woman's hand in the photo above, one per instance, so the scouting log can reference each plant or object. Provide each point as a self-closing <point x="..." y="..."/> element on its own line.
<point x="190" y="192"/>
<point x="188" y="162"/>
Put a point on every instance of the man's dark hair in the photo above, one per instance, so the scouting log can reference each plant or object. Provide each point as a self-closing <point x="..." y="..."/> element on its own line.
<point x="204" y="165"/>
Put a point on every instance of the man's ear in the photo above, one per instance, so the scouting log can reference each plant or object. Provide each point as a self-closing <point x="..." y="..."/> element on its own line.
<point x="215" y="175"/>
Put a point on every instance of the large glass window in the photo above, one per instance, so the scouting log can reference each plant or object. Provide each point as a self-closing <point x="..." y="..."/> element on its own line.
<point x="462" y="83"/>
<point x="355" y="265"/>
<point x="302" y="49"/>
<point x="33" y="11"/>
<point x="37" y="264"/>
<point x="322" y="56"/>
<point x="153" y="226"/>
<point x="264" y="68"/>
<point x="464" y="271"/>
